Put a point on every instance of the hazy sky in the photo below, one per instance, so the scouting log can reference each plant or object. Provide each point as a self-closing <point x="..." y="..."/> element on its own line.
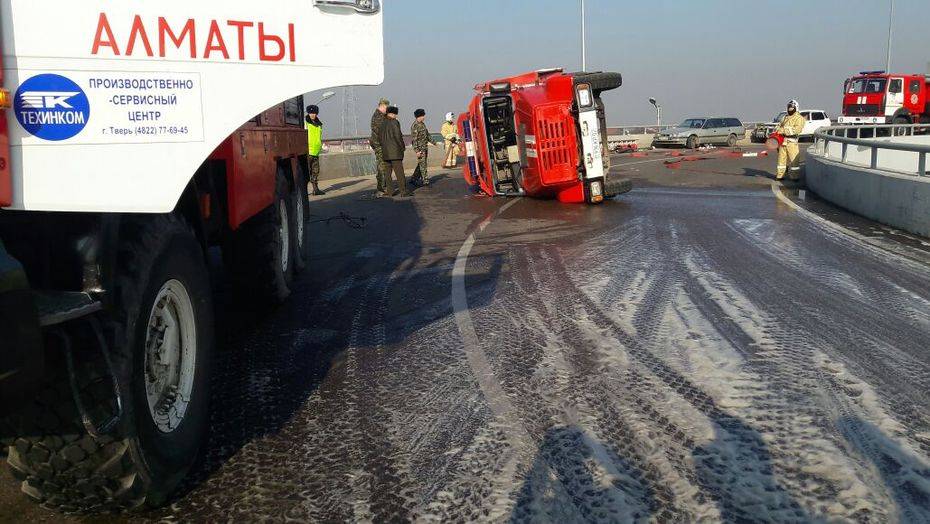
<point x="697" y="57"/>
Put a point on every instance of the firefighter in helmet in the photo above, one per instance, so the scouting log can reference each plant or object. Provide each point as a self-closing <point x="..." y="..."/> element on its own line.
<point x="451" y="137"/>
<point x="790" y="127"/>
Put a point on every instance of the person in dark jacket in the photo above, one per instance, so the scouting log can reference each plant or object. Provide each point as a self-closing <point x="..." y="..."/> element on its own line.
<point x="393" y="148"/>
<point x="377" y="121"/>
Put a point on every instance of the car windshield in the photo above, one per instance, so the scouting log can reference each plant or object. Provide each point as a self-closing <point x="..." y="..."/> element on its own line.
<point x="866" y="85"/>
<point x="779" y="116"/>
<point x="694" y="123"/>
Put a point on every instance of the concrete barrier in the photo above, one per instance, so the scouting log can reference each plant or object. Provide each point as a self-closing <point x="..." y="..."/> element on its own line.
<point x="897" y="200"/>
<point x="362" y="163"/>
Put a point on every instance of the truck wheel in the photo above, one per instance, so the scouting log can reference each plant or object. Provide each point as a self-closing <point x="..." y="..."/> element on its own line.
<point x="692" y="142"/>
<point x="301" y="216"/>
<point x="617" y="186"/>
<point x="731" y="140"/>
<point x="262" y="250"/>
<point x="599" y="82"/>
<point x="900" y="121"/>
<point x="161" y="345"/>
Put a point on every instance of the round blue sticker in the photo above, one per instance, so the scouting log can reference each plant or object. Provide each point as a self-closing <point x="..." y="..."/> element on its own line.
<point x="51" y="107"/>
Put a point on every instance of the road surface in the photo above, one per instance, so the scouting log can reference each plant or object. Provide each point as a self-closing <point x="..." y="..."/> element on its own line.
<point x="695" y="350"/>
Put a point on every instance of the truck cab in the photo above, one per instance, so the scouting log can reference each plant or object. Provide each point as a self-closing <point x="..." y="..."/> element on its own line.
<point x="876" y="97"/>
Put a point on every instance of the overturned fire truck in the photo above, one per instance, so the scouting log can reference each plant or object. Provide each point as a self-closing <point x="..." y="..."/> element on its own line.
<point x="541" y="134"/>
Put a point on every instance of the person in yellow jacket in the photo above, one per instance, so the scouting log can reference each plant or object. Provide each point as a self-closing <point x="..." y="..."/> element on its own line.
<point x="314" y="147"/>
<point x="789" y="159"/>
<point x="451" y="136"/>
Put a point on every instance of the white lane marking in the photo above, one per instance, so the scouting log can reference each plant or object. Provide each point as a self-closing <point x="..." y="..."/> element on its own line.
<point x="876" y="248"/>
<point x="520" y="441"/>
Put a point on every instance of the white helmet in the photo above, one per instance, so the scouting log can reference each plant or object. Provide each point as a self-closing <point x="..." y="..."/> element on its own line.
<point x="794" y="103"/>
<point x="450" y="116"/>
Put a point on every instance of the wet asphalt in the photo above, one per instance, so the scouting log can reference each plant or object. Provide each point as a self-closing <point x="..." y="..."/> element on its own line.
<point x="693" y="350"/>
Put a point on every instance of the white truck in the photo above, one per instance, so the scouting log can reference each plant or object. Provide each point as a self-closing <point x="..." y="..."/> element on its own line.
<point x="129" y="145"/>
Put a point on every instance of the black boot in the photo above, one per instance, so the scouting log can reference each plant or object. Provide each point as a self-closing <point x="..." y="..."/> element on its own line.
<point x="317" y="191"/>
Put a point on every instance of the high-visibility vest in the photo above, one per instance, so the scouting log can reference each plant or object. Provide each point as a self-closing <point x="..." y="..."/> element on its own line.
<point x="314" y="139"/>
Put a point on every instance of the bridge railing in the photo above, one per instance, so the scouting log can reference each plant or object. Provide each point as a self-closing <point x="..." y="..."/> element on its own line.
<point x="887" y="147"/>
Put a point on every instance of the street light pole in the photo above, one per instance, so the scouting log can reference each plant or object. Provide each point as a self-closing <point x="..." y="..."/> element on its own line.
<point x="326" y="96"/>
<point x="890" y="26"/>
<point x="658" y="113"/>
<point x="584" y="58"/>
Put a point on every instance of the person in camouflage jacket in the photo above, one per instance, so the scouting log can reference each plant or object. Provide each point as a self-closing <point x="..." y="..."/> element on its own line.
<point x="421" y="140"/>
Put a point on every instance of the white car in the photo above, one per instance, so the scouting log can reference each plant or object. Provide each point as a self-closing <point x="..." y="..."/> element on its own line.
<point x="816" y="119"/>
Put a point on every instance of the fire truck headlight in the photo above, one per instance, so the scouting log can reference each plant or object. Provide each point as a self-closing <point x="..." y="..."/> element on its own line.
<point x="584" y="95"/>
<point x="6" y="101"/>
<point x="597" y="190"/>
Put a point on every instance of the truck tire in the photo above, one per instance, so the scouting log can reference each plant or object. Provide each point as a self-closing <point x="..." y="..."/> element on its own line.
<point x="692" y="142"/>
<point x="262" y="250"/>
<point x="160" y="343"/>
<point x="600" y="82"/>
<point x="301" y="216"/>
<point x="900" y="121"/>
<point x="617" y="186"/>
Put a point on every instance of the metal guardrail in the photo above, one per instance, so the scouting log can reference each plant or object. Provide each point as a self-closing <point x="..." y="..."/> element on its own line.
<point x="875" y="141"/>
<point x="360" y="143"/>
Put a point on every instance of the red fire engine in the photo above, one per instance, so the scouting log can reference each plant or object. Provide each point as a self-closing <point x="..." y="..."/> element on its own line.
<point x="541" y="134"/>
<point x="877" y="97"/>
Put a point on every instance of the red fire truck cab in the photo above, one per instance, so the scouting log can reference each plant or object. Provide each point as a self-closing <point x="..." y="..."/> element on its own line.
<point x="541" y="134"/>
<point x="877" y="97"/>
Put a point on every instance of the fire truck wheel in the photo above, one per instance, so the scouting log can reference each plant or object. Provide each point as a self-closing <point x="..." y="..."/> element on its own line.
<point x="692" y="142"/>
<point x="731" y="140"/>
<point x="603" y="81"/>
<point x="617" y="186"/>
<point x="900" y="121"/>
<point x="301" y="217"/>
<point x="262" y="258"/>
<point x="160" y="342"/>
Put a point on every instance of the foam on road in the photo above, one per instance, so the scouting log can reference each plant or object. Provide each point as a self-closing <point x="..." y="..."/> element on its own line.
<point x="676" y="355"/>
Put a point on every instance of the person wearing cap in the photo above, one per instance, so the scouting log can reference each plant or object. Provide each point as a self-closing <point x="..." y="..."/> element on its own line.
<point x="377" y="122"/>
<point x="789" y="159"/>
<point x="393" y="149"/>
<point x="314" y="147"/>
<point x="421" y="141"/>
<point x="451" y="137"/>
